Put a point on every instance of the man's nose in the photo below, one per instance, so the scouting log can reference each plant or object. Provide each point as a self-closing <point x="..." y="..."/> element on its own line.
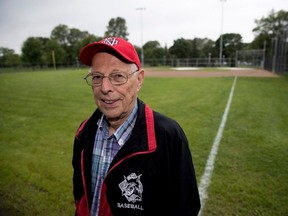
<point x="106" y="85"/>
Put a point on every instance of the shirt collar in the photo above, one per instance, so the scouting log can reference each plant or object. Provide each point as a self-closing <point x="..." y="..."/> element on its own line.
<point x="122" y="130"/>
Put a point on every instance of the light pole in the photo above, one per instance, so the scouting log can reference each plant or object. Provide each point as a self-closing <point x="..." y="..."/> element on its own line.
<point x="221" y="36"/>
<point x="274" y="53"/>
<point x="141" y="22"/>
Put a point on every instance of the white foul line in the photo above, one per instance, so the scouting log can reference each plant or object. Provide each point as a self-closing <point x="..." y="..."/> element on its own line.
<point x="206" y="177"/>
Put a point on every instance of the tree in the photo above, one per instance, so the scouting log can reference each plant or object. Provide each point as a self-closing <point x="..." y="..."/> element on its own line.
<point x="138" y="50"/>
<point x="182" y="48"/>
<point x="71" y="40"/>
<point x="75" y="35"/>
<point x="205" y="47"/>
<point x="59" y="53"/>
<point x="32" y="51"/>
<point x="65" y="42"/>
<point x="275" y="24"/>
<point x="231" y="43"/>
<point x="117" y="27"/>
<point x="60" y="34"/>
<point x="153" y="49"/>
<point x="88" y="39"/>
<point x="8" y="57"/>
<point x="260" y="41"/>
<point x="195" y="48"/>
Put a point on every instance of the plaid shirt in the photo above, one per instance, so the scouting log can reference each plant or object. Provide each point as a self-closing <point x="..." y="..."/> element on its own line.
<point x="104" y="150"/>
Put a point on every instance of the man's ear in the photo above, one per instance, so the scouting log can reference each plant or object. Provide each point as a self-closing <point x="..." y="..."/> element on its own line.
<point x="140" y="79"/>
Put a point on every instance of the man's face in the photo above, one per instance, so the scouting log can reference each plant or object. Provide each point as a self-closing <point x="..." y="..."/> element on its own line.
<point x="115" y="102"/>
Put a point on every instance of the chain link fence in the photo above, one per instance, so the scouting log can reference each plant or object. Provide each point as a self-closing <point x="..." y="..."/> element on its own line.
<point x="277" y="60"/>
<point x="274" y="60"/>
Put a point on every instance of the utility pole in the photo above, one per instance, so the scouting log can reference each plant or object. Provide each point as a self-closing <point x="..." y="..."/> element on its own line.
<point x="221" y="36"/>
<point x="53" y="59"/>
<point x="141" y="9"/>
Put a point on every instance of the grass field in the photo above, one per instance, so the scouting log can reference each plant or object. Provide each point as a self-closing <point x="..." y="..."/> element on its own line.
<point x="40" y="112"/>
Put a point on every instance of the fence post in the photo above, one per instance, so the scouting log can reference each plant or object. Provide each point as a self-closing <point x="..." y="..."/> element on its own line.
<point x="274" y="54"/>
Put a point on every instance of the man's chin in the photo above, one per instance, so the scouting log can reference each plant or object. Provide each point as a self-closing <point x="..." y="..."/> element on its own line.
<point x="112" y="116"/>
<point x="115" y="117"/>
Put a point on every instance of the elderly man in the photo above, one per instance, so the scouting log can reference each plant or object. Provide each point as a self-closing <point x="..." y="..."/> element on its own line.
<point x="127" y="158"/>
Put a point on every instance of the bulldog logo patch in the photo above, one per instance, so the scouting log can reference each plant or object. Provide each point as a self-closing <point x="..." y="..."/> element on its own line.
<point x="132" y="188"/>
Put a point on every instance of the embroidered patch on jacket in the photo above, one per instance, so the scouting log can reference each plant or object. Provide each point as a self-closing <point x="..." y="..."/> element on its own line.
<point x="132" y="188"/>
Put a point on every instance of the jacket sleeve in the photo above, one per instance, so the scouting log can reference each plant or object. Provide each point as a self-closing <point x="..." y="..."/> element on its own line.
<point x="78" y="190"/>
<point x="185" y="180"/>
<point x="183" y="183"/>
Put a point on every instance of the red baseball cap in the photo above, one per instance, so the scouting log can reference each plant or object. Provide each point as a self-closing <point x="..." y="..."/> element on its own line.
<point x="119" y="47"/>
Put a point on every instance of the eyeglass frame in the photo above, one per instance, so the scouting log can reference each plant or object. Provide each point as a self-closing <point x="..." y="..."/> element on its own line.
<point x="91" y="73"/>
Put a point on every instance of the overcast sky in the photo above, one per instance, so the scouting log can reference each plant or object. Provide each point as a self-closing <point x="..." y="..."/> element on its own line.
<point x="163" y="20"/>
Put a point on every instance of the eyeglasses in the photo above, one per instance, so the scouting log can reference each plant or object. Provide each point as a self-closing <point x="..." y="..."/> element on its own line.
<point x="116" y="78"/>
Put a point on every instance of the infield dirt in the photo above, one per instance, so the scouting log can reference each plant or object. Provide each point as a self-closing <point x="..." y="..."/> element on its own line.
<point x="218" y="73"/>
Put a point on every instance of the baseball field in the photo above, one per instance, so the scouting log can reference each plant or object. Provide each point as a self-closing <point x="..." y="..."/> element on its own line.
<point x="236" y="122"/>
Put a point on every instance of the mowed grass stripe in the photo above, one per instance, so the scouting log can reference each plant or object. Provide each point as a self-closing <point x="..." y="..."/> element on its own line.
<point x="209" y="168"/>
<point x="251" y="170"/>
<point x="40" y="112"/>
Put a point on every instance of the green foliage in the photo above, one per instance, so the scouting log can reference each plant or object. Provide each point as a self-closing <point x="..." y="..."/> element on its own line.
<point x="8" y="57"/>
<point x="38" y="51"/>
<point x="117" y="27"/>
<point x="67" y="42"/>
<point x="64" y="42"/>
<point x="262" y="41"/>
<point x="196" y="48"/>
<point x="60" y="54"/>
<point x="181" y="48"/>
<point x="152" y="45"/>
<point x="71" y="41"/>
<point x="206" y="46"/>
<point x="231" y="43"/>
<point x="275" y="24"/>
<point x="60" y="34"/>
<point x="153" y="49"/>
<point x="32" y="51"/>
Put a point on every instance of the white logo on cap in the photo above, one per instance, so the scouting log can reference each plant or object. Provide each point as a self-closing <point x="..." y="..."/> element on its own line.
<point x="110" y="41"/>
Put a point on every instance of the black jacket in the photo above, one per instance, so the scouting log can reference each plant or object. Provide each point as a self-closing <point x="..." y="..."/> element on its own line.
<point x="150" y="175"/>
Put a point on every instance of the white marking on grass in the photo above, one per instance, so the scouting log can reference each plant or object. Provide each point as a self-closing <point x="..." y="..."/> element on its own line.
<point x="206" y="177"/>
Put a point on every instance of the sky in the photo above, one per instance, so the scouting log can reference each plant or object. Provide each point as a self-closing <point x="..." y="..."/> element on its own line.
<point x="162" y="20"/>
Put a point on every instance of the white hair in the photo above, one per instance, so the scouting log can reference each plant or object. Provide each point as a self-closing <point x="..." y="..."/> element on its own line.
<point x="133" y="67"/>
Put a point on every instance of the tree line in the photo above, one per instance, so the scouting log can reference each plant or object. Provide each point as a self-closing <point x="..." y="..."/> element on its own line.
<point x="64" y="44"/>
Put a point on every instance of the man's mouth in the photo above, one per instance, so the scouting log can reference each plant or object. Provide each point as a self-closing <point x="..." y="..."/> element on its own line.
<point x="108" y="101"/>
